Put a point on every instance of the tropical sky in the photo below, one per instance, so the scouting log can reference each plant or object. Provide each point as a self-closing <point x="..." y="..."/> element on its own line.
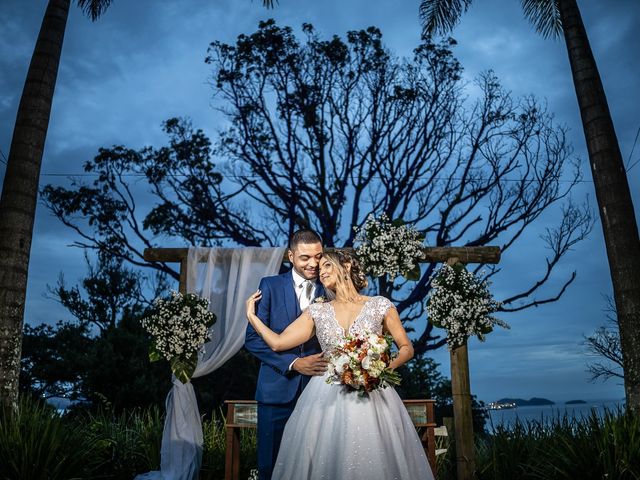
<point x="143" y="62"/>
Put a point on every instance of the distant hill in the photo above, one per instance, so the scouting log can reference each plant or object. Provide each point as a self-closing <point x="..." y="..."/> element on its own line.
<point x="574" y="402"/>
<point x="525" y="403"/>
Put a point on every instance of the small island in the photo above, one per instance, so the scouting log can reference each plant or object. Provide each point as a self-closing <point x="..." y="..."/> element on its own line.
<point x="519" y="402"/>
<point x="574" y="402"/>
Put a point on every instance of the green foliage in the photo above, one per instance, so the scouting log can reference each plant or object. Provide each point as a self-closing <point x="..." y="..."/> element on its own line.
<point x="594" y="447"/>
<point x="36" y="443"/>
<point x="126" y="443"/>
<point x="52" y="359"/>
<point x="71" y="360"/>
<point x="113" y="367"/>
<point x="214" y="447"/>
<point x="118" y="369"/>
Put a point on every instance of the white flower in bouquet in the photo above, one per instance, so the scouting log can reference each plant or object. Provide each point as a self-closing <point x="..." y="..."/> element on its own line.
<point x="391" y="248"/>
<point x="462" y="304"/>
<point x="179" y="327"/>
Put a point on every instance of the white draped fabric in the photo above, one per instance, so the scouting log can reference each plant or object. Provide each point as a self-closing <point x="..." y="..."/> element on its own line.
<point x="226" y="276"/>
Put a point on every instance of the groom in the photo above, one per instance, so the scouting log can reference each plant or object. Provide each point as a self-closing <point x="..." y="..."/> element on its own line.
<point x="283" y="375"/>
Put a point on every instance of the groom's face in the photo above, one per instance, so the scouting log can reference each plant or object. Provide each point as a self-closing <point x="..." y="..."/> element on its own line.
<point x="305" y="258"/>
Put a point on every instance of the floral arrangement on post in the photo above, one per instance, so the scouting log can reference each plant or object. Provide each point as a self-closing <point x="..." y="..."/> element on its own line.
<point x="391" y="248"/>
<point x="179" y="327"/>
<point x="462" y="304"/>
<point x="361" y="363"/>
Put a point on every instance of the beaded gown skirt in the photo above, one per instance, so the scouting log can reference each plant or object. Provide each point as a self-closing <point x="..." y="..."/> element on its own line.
<point x="334" y="434"/>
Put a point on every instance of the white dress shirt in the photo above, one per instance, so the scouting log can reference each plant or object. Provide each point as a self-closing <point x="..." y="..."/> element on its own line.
<point x="300" y="286"/>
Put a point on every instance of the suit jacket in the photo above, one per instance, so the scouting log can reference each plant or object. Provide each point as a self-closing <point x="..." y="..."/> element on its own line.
<point x="277" y="308"/>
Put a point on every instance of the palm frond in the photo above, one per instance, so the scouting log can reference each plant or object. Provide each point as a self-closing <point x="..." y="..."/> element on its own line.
<point x="269" y="3"/>
<point x="440" y="16"/>
<point x="544" y="15"/>
<point x="94" y="8"/>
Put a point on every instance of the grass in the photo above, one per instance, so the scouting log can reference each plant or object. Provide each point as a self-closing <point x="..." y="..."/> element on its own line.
<point x="38" y="443"/>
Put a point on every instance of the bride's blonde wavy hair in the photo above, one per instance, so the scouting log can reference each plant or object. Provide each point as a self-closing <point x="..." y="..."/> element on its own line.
<point x="348" y="269"/>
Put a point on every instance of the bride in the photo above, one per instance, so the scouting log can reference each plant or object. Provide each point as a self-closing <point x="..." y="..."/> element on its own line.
<point x="335" y="434"/>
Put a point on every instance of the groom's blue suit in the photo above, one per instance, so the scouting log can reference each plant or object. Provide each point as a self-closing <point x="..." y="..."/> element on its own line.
<point x="278" y="388"/>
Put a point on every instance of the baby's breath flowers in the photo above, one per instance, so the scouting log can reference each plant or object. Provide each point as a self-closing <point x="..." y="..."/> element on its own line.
<point x="179" y="328"/>
<point x="462" y="304"/>
<point x="391" y="248"/>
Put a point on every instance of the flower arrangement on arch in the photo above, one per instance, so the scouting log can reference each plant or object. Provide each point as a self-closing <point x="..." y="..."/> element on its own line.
<point x="361" y="363"/>
<point x="462" y="304"/>
<point x="179" y="327"/>
<point x="389" y="247"/>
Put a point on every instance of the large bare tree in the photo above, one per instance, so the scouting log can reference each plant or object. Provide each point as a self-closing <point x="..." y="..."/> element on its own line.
<point x="322" y="133"/>
<point x="617" y="216"/>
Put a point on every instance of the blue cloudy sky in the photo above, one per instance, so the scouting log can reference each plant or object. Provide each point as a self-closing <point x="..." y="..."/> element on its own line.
<point x="143" y="62"/>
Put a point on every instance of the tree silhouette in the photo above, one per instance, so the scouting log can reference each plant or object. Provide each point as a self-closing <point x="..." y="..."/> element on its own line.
<point x="618" y="220"/>
<point x="320" y="135"/>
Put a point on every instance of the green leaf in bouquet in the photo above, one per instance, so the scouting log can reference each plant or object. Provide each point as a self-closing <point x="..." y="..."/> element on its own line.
<point x="390" y="377"/>
<point x="413" y="274"/>
<point x="398" y="222"/>
<point x="154" y="353"/>
<point x="183" y="368"/>
<point x="213" y="319"/>
<point x="486" y="329"/>
<point x="436" y="323"/>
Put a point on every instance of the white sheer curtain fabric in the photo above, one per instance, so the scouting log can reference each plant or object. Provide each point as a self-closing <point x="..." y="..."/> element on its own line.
<point x="226" y="276"/>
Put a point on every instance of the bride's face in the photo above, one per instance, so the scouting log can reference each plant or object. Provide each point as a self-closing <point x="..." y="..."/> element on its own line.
<point x="328" y="274"/>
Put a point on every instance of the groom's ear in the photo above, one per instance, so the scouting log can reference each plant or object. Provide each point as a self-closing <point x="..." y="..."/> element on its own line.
<point x="290" y="255"/>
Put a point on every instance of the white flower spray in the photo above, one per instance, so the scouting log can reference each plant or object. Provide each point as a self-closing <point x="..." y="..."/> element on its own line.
<point x="391" y="248"/>
<point x="462" y="304"/>
<point x="179" y="328"/>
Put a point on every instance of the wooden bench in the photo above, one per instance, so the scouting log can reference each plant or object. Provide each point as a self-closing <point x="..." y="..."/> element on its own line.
<point x="244" y="414"/>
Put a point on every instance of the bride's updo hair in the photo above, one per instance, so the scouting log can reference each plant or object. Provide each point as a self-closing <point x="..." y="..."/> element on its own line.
<point x="347" y="266"/>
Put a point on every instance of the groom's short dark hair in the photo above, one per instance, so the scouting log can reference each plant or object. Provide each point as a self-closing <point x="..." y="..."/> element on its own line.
<point x="303" y="235"/>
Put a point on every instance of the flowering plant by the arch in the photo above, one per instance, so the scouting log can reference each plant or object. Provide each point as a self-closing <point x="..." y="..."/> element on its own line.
<point x="179" y="328"/>
<point x="386" y="247"/>
<point x="462" y="304"/>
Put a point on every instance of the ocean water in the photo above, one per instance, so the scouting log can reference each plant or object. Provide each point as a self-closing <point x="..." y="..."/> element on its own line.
<point x="546" y="413"/>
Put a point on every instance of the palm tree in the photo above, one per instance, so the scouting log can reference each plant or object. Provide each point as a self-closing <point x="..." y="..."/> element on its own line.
<point x="20" y="187"/>
<point x="551" y="18"/>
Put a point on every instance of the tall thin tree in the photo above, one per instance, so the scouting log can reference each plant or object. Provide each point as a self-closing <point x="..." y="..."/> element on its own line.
<point x="552" y="18"/>
<point x="20" y="187"/>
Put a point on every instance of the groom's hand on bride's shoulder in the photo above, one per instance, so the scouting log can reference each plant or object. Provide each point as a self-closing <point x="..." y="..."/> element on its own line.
<point x="311" y="365"/>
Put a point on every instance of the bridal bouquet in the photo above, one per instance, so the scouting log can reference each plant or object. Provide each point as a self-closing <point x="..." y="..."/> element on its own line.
<point x="462" y="304"/>
<point x="361" y="362"/>
<point x="179" y="327"/>
<point x="389" y="248"/>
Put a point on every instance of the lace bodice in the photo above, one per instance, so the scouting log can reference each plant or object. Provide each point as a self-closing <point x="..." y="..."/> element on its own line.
<point x="329" y="331"/>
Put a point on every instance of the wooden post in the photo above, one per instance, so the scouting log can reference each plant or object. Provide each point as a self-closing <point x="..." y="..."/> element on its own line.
<point x="462" y="414"/>
<point x="183" y="276"/>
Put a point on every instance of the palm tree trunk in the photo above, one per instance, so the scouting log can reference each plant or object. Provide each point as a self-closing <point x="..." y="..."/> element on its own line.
<point x="20" y="191"/>
<point x="612" y="192"/>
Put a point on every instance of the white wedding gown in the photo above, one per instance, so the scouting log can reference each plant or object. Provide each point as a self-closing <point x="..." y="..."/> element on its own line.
<point x="334" y="434"/>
